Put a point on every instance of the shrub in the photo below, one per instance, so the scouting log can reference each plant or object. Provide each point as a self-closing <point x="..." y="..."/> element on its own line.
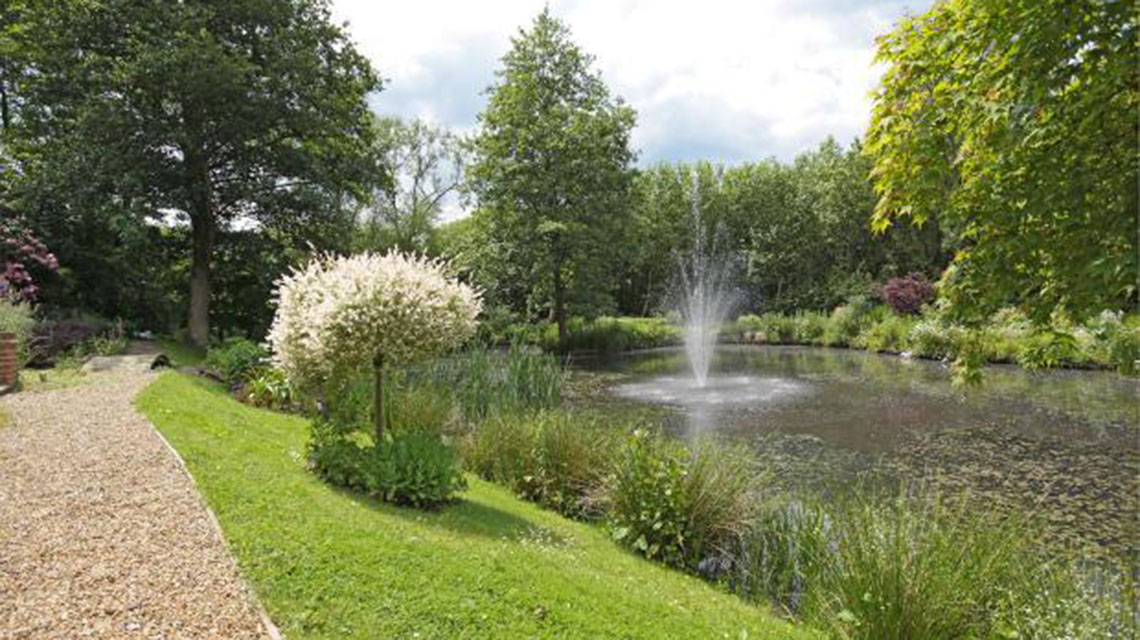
<point x="847" y="322"/>
<point x="611" y="335"/>
<point x="891" y="334"/>
<point x="682" y="507"/>
<point x="236" y="360"/>
<point x="17" y="318"/>
<point x="810" y="327"/>
<point x="270" y="388"/>
<point x="1048" y="348"/>
<point x="52" y="339"/>
<point x="409" y="468"/>
<point x="1117" y="341"/>
<point x="555" y="458"/>
<point x="907" y="294"/>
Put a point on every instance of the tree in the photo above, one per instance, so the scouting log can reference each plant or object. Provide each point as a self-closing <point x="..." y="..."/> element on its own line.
<point x="1016" y="123"/>
<point x="338" y="315"/>
<point x="215" y="112"/>
<point x="552" y="169"/>
<point x="426" y="164"/>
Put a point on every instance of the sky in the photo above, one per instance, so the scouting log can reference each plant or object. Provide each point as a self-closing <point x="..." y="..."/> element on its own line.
<point x="724" y="80"/>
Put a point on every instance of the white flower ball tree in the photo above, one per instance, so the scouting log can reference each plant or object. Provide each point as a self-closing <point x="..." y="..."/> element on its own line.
<point x="339" y="315"/>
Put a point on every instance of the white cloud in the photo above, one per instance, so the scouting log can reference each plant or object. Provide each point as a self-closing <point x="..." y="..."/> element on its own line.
<point x="719" y="79"/>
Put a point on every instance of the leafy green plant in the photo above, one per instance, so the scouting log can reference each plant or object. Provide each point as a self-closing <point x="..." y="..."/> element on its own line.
<point x="16" y="317"/>
<point x="1047" y="349"/>
<point x="236" y="360"/>
<point x="847" y="322"/>
<point x="271" y="389"/>
<point x="810" y="327"/>
<point x="676" y="505"/>
<point x="411" y="468"/>
<point x="891" y="334"/>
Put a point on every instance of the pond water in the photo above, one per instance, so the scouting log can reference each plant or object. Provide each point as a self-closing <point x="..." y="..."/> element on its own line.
<point x="1063" y="442"/>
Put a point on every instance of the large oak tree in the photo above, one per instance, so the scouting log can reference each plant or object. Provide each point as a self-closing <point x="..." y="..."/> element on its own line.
<point x="248" y="111"/>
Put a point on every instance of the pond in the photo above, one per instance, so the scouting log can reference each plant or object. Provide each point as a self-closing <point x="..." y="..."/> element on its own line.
<point x="1064" y="443"/>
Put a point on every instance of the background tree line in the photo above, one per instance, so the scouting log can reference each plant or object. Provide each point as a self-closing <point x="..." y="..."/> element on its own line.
<point x="178" y="157"/>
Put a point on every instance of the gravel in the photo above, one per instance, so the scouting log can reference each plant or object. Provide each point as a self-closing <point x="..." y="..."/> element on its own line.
<point x="102" y="532"/>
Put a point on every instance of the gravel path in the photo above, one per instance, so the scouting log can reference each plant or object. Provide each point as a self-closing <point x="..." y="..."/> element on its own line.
<point x="102" y="533"/>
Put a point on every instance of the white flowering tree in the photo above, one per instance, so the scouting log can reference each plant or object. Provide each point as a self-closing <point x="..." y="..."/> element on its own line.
<point x="338" y="315"/>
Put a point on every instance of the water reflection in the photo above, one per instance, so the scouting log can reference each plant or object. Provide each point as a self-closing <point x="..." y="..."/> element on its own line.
<point x="869" y="402"/>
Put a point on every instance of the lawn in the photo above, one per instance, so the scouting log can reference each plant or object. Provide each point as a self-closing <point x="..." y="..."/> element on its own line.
<point x="327" y="563"/>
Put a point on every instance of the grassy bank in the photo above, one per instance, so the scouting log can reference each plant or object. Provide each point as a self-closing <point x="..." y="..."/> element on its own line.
<point x="327" y="563"/>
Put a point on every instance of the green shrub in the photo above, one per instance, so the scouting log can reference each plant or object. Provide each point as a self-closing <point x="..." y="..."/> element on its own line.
<point x="269" y="388"/>
<point x="410" y="468"/>
<point x="810" y="327"/>
<point x="1117" y="341"/>
<point x="555" y="458"/>
<point x="236" y="360"/>
<point x="679" y="506"/>
<point x="1048" y="349"/>
<point x="17" y="318"/>
<point x="847" y="322"/>
<point x="611" y="335"/>
<point x="891" y="334"/>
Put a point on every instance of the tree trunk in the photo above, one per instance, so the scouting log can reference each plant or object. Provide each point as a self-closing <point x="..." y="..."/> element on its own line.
<point x="203" y="227"/>
<point x="378" y="400"/>
<point x="560" y="305"/>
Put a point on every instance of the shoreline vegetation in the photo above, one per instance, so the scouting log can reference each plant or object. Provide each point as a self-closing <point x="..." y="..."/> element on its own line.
<point x="1110" y="341"/>
<point x="704" y="508"/>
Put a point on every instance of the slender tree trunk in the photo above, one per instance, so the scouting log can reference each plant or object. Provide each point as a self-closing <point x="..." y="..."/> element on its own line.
<point x="378" y="399"/>
<point x="560" y="304"/>
<point x="5" y="116"/>
<point x="203" y="228"/>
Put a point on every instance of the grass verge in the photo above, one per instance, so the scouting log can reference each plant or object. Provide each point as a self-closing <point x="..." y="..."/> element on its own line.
<point x="328" y="563"/>
<point x="182" y="354"/>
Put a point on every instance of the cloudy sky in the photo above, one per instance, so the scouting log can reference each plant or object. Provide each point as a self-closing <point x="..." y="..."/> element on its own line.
<point x="725" y="80"/>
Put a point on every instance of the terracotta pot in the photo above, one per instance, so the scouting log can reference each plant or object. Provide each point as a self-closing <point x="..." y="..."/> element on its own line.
<point x="9" y="368"/>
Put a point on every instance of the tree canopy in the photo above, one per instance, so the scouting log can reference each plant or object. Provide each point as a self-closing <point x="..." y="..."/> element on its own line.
<point x="1014" y="124"/>
<point x="217" y="113"/>
<point x="552" y="169"/>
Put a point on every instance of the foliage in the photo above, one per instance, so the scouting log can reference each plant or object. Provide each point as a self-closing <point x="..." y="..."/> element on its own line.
<point x="891" y="334"/>
<point x="480" y="567"/>
<point x="551" y="171"/>
<point x="426" y="163"/>
<point x="337" y="315"/>
<point x="483" y="382"/>
<point x="408" y="467"/>
<point x="611" y="335"/>
<point x="907" y="294"/>
<point x="1025" y="152"/>
<point x="76" y="336"/>
<point x="236" y="360"/>
<point x="19" y="251"/>
<point x="214" y="111"/>
<point x="269" y="388"/>
<point x="682" y="507"/>
<point x="554" y="458"/>
<point x="16" y="318"/>
<point x="848" y="321"/>
<point x="1048" y="349"/>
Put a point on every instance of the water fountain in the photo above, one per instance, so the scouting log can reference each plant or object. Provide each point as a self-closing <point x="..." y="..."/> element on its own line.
<point x="706" y="293"/>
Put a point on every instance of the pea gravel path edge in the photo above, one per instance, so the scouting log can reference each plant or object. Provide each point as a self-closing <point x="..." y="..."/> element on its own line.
<point x="103" y="533"/>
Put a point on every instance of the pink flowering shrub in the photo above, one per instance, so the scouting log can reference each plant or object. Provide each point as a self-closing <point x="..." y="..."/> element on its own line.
<point x="338" y="315"/>
<point x="20" y="251"/>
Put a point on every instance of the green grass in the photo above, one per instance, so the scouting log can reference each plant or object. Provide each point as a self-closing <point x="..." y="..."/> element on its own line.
<point x="52" y="379"/>
<point x="327" y="563"/>
<point x="182" y="354"/>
